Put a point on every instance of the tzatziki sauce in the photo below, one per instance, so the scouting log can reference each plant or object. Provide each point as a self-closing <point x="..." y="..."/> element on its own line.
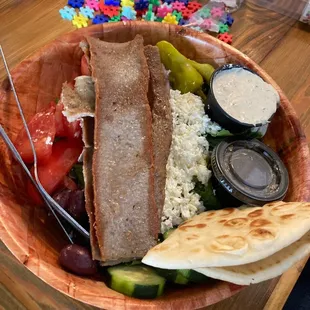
<point x="245" y="96"/>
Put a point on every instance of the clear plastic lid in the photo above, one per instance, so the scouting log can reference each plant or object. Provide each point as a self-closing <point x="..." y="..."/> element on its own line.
<point x="250" y="171"/>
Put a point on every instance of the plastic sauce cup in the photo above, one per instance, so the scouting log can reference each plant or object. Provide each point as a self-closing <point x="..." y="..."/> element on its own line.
<point x="247" y="172"/>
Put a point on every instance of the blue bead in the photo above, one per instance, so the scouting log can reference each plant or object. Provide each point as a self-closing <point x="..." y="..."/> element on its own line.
<point x="229" y="20"/>
<point x="76" y="3"/>
<point x="87" y="12"/>
<point x="67" y="13"/>
<point x="100" y="19"/>
<point x="184" y="1"/>
<point x="183" y="22"/>
<point x="169" y="1"/>
<point x="141" y="6"/>
<point x="112" y="2"/>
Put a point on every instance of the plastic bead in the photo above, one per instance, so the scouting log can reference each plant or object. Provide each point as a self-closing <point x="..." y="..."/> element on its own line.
<point x="112" y="2"/>
<point x="109" y="10"/>
<point x="67" y="13"/>
<point x="206" y="24"/>
<point x="141" y="4"/>
<point x="76" y="3"/>
<point x="217" y="12"/>
<point x="93" y="4"/>
<point x="140" y="13"/>
<point x="229" y="20"/>
<point x="149" y="16"/>
<point x="100" y="19"/>
<point x="186" y="13"/>
<point x="115" y="18"/>
<point x="194" y="6"/>
<point x="170" y="19"/>
<point x="177" y="14"/>
<point x="178" y="6"/>
<point x="225" y="37"/>
<point x="163" y="10"/>
<point x="183" y="22"/>
<point x="126" y="3"/>
<point x="80" y="21"/>
<point x="223" y="28"/>
<point x="204" y="12"/>
<point x="150" y="8"/>
<point x="169" y="1"/>
<point x="155" y="2"/>
<point x="184" y="1"/>
<point x="129" y="12"/>
<point x="87" y="12"/>
<point x="159" y="19"/>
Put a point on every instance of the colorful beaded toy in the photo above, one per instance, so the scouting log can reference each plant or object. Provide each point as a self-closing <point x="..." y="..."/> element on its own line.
<point x="189" y="13"/>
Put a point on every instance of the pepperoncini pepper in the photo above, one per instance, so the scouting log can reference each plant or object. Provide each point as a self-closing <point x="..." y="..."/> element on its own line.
<point x="205" y="70"/>
<point x="183" y="76"/>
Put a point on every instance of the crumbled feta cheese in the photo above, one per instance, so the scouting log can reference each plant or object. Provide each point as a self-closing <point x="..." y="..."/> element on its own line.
<point x="187" y="158"/>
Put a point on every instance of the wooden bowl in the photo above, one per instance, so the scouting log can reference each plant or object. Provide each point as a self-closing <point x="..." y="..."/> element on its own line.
<point x="35" y="239"/>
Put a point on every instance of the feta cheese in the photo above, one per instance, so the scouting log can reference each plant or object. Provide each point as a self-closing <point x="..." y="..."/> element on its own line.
<point x="187" y="158"/>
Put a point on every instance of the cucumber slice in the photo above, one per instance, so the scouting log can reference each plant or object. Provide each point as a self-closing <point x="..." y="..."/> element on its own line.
<point x="168" y="233"/>
<point x="194" y="276"/>
<point x="180" y="279"/>
<point x="182" y="276"/>
<point x="174" y="276"/>
<point x="137" y="281"/>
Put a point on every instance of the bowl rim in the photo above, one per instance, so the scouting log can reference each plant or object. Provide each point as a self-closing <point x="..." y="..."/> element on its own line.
<point x="21" y="253"/>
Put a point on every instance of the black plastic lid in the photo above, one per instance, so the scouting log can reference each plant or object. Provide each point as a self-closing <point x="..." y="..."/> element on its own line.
<point x="250" y="171"/>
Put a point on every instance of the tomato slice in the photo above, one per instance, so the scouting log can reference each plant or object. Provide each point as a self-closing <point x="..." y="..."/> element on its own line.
<point x="73" y="130"/>
<point x="84" y="66"/>
<point x="59" y="121"/>
<point x="51" y="174"/>
<point x="42" y="129"/>
<point x="63" y="127"/>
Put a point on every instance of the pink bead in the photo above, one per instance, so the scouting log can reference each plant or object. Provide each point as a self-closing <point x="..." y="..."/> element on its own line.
<point x="206" y="24"/>
<point x="93" y="4"/>
<point x="178" y="6"/>
<point x="217" y="12"/>
<point x="163" y="10"/>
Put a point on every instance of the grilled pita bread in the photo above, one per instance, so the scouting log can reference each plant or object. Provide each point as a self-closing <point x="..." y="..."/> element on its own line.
<point x="80" y="101"/>
<point x="264" y="269"/>
<point x="231" y="237"/>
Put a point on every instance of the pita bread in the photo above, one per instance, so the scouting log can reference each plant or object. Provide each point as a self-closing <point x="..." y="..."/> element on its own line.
<point x="80" y="102"/>
<point x="231" y="237"/>
<point x="262" y="270"/>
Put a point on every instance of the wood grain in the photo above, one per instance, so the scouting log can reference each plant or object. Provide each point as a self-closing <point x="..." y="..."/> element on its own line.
<point x="262" y="34"/>
<point x="285" y="286"/>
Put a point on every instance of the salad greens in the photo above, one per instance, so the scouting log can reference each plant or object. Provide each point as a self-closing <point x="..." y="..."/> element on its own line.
<point x="254" y="133"/>
<point x="207" y="195"/>
<point x="76" y="173"/>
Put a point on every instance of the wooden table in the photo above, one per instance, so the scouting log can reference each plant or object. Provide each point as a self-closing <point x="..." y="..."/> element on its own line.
<point x="277" y="42"/>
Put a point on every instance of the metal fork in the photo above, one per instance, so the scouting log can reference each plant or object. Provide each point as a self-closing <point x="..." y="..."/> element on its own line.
<point x="49" y="201"/>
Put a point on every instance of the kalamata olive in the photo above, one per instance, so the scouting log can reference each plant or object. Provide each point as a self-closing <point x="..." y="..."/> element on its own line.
<point x="78" y="260"/>
<point x="62" y="198"/>
<point x="76" y="205"/>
